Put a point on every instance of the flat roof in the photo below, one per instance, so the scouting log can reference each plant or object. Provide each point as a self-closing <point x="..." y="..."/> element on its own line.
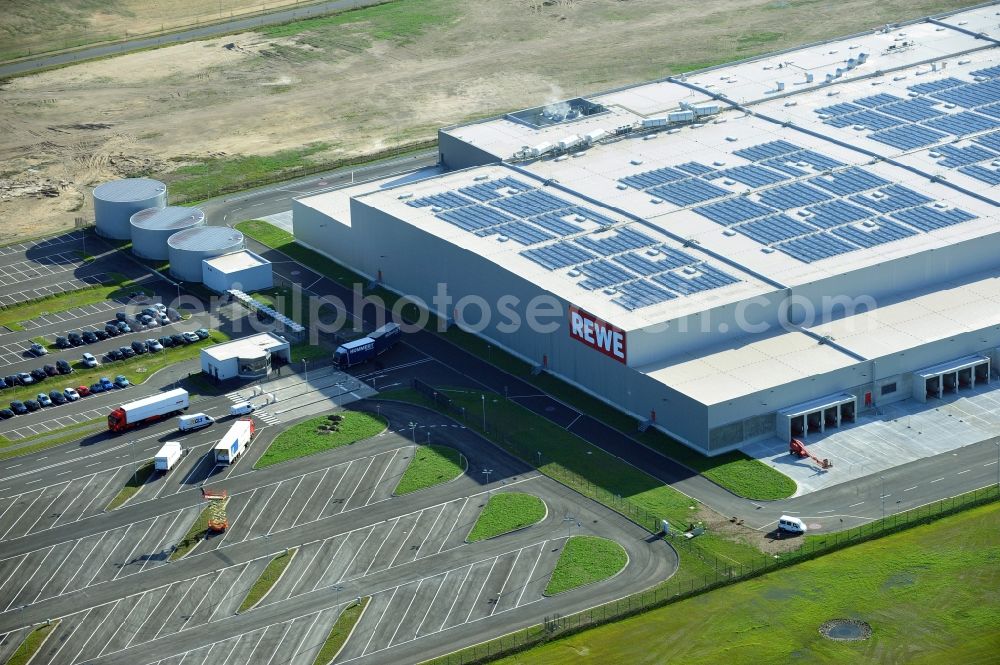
<point x="245" y="347"/>
<point x="241" y="260"/>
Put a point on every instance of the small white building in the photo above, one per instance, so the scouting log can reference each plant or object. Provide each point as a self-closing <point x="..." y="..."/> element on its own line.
<point x="241" y="270"/>
<point x="247" y="358"/>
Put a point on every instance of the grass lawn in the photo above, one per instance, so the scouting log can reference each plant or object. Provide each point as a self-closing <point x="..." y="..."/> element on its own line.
<point x="32" y="643"/>
<point x="48" y="439"/>
<point x="136" y="369"/>
<point x="929" y="594"/>
<point x="506" y="512"/>
<point x="306" y="438"/>
<point x="119" y="286"/>
<point x="431" y="465"/>
<point x="134" y="484"/>
<point x="395" y="21"/>
<point x="586" y="559"/>
<point x="734" y="471"/>
<point x="268" y="578"/>
<point x="195" y="534"/>
<point x="340" y="632"/>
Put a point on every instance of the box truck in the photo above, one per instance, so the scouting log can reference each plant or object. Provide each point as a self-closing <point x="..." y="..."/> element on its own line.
<point x="194" y="421"/>
<point x="147" y="410"/>
<point x="236" y="440"/>
<point x="364" y="349"/>
<point x="167" y="456"/>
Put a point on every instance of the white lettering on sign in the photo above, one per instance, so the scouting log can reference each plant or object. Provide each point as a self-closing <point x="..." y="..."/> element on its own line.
<point x="598" y="334"/>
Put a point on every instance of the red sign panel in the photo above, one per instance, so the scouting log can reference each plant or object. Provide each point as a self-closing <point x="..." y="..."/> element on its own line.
<point x="597" y="334"/>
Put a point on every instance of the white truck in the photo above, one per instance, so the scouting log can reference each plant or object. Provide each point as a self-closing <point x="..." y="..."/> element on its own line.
<point x="147" y="410"/>
<point x="235" y="441"/>
<point x="194" y="421"/>
<point x="167" y="456"/>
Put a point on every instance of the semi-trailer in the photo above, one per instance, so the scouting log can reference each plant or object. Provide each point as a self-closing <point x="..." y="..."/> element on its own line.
<point x="167" y="456"/>
<point x="364" y="349"/>
<point x="147" y="410"/>
<point x="234" y="442"/>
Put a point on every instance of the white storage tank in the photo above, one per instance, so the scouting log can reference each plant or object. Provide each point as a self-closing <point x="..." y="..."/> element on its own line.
<point x="115" y="202"/>
<point x="152" y="227"/>
<point x="187" y="249"/>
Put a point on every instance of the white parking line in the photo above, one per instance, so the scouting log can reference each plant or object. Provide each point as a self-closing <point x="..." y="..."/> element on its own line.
<point x="107" y="558"/>
<point x="332" y="559"/>
<point x="481" y="589"/>
<point x="384" y="541"/>
<point x="379" y="622"/>
<point x="961" y="472"/>
<point x="285" y="507"/>
<point x="507" y="579"/>
<point x="83" y="560"/>
<point x="371" y="530"/>
<point x="458" y="595"/>
<point x="458" y="516"/>
<point x="937" y="481"/>
<point x="531" y="575"/>
<point x="327" y="471"/>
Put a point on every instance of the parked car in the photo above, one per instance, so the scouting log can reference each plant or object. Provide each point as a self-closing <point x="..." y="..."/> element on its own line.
<point x="101" y="334"/>
<point x="62" y="342"/>
<point x="96" y="388"/>
<point x="63" y="367"/>
<point x="139" y="347"/>
<point x="57" y="397"/>
<point x="178" y="339"/>
<point x="146" y="320"/>
<point x="50" y="370"/>
<point x="39" y="374"/>
<point x="124" y="327"/>
<point x="121" y="316"/>
<point x="89" y="360"/>
<point x="43" y="399"/>
<point x="162" y="319"/>
<point x="83" y="390"/>
<point x="202" y="333"/>
<point x="153" y="346"/>
<point x="114" y="354"/>
<point x="107" y="383"/>
<point x="18" y="407"/>
<point x="32" y="405"/>
<point x="166" y="341"/>
<point x="121" y="381"/>
<point x="112" y="330"/>
<point x="190" y="337"/>
<point x="150" y="311"/>
<point x="173" y="314"/>
<point x="4" y="384"/>
<point x="38" y="350"/>
<point x="75" y="338"/>
<point x="25" y="379"/>
<point x="71" y="394"/>
<point x="126" y="351"/>
<point x="12" y="381"/>
<point x="5" y="414"/>
<point x="89" y="336"/>
<point x="159" y="307"/>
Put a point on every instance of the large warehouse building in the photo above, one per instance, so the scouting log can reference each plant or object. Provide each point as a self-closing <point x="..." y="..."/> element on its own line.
<point x="757" y="250"/>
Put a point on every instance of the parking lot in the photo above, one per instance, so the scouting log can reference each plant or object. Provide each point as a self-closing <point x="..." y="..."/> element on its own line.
<point x="74" y="284"/>
<point x="52" y="242"/>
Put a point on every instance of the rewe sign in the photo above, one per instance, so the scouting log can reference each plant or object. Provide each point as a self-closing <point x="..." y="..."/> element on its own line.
<point x="597" y="334"/>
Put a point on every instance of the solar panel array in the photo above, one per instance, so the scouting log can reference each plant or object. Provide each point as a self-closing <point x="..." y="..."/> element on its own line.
<point x="634" y="268"/>
<point x="934" y="112"/>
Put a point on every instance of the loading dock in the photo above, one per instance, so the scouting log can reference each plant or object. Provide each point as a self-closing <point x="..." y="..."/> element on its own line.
<point x="950" y="377"/>
<point x="816" y="416"/>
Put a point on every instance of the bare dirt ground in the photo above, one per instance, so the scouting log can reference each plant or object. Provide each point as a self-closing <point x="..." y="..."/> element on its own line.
<point x="360" y="87"/>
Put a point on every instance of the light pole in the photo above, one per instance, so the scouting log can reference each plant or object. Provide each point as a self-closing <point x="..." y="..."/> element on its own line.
<point x="305" y="368"/>
<point x="413" y="431"/>
<point x="997" y="444"/>
<point x="569" y="519"/>
<point x="131" y="448"/>
<point x="539" y="453"/>
<point x="336" y="593"/>
<point x="484" y="411"/>
<point x="882" y="493"/>
<point x="487" y="472"/>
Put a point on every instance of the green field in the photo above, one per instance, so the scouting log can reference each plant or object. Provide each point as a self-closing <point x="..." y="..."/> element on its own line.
<point x="134" y="484"/>
<point x="340" y="632"/>
<point x="929" y="593"/>
<point x="306" y="438"/>
<point x="32" y="643"/>
<point x="267" y="579"/>
<point x="585" y="560"/>
<point x="506" y="512"/>
<point x="431" y="465"/>
<point x="194" y="535"/>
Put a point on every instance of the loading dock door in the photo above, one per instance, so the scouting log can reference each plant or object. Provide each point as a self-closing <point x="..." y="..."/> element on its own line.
<point x="816" y="416"/>
<point x="951" y="377"/>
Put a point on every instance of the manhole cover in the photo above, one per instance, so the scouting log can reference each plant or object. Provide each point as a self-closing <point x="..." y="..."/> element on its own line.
<point x="296" y="272"/>
<point x="846" y="630"/>
<point x="550" y="408"/>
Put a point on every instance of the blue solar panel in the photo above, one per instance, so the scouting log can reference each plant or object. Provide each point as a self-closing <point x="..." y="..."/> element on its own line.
<point x="992" y="110"/>
<point x="816" y="160"/>
<point x="533" y="202"/>
<point x="839" y="109"/>
<point x="522" y="232"/>
<point x="835" y="213"/>
<point x="877" y="100"/>
<point x="935" y="86"/>
<point x="784" y="165"/>
<point x="473" y="218"/>
<point x="869" y="119"/>
<point x="753" y="175"/>
<point x="990" y="176"/>
<point x="688" y="192"/>
<point x="927" y="218"/>
<point x="893" y="197"/>
<point x="640" y="293"/>
<point x="849" y="181"/>
<point x="665" y="259"/>
<point x="694" y="168"/>
<point x="963" y="123"/>
<point x="603" y="273"/>
<point x="487" y="191"/>
<point x="444" y="200"/>
<point x="815" y="247"/>
<point x="621" y="240"/>
<point x="648" y="179"/>
<point x="774" y="229"/>
<point x="733" y="211"/>
<point x="913" y="110"/>
<point x="989" y="72"/>
<point x="766" y="150"/>
<point x="971" y="95"/>
<point x="954" y="157"/>
<point x="871" y="233"/>
<point x="559" y="255"/>
<point x="908" y="137"/>
<point x="553" y="221"/>
<point x="991" y="141"/>
<point x="704" y="278"/>
<point x="793" y="195"/>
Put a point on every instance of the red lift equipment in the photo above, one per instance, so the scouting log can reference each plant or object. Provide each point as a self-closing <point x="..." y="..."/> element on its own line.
<point x="796" y="447"/>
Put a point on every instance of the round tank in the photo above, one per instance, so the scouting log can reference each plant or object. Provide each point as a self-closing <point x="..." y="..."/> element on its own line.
<point x="115" y="202"/>
<point x="188" y="248"/>
<point x="152" y="227"/>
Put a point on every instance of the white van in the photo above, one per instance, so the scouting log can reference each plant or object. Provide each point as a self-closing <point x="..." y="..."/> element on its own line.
<point x="241" y="409"/>
<point x="791" y="524"/>
<point x="194" y="421"/>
